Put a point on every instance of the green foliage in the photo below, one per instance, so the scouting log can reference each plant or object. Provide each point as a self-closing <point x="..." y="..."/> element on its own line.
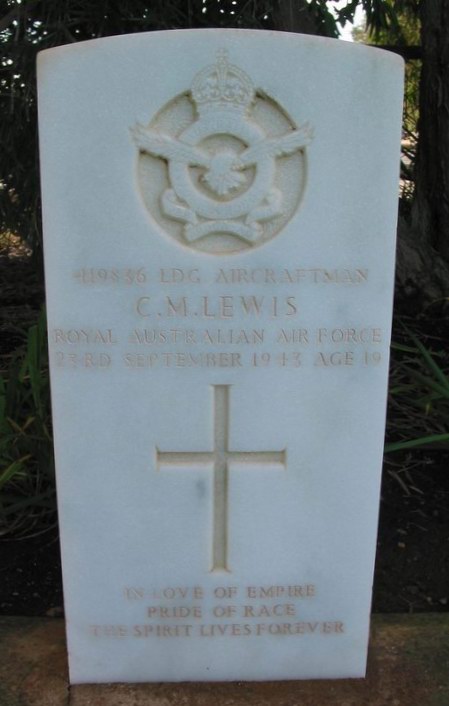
<point x="28" y="26"/>
<point x="380" y="15"/>
<point x="401" y="28"/>
<point x="419" y="396"/>
<point x="25" y="29"/>
<point x="27" y="484"/>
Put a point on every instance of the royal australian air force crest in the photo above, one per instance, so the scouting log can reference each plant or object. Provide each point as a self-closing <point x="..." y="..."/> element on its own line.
<point x="222" y="168"/>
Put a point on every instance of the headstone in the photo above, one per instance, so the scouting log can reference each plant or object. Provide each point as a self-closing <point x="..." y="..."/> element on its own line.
<point x="219" y="216"/>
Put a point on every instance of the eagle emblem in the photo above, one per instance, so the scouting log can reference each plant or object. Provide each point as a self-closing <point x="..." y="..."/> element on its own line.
<point x="222" y="168"/>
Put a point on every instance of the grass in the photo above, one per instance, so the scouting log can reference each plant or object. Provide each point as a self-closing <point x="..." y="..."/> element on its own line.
<point x="418" y="414"/>
<point x="27" y="480"/>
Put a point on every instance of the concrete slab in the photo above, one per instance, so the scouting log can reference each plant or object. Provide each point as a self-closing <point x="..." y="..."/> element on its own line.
<point x="408" y="666"/>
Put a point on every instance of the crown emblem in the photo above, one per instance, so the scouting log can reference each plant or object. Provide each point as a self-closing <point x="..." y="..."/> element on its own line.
<point x="222" y="86"/>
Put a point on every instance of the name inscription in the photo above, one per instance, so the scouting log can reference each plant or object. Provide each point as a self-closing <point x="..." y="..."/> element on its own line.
<point x="247" y="329"/>
<point x="172" y="324"/>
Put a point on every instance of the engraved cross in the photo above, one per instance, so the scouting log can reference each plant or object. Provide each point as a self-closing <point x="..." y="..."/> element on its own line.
<point x="221" y="457"/>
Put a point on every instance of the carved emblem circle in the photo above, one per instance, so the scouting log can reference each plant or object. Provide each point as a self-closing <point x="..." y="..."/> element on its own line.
<point x="222" y="168"/>
<point x="241" y="204"/>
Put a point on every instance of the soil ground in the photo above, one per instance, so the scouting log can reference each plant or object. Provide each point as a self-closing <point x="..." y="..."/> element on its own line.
<point x="412" y="568"/>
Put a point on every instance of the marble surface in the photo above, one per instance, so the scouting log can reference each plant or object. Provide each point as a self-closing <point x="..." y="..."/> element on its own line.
<point x="219" y="222"/>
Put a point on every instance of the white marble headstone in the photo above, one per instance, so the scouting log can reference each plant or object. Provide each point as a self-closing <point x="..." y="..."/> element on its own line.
<point x="219" y="215"/>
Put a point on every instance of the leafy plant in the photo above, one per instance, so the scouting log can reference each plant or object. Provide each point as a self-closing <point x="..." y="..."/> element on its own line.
<point x="419" y="396"/>
<point x="27" y="483"/>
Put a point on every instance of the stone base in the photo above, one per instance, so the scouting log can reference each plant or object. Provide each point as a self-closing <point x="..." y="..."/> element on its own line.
<point x="408" y="666"/>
